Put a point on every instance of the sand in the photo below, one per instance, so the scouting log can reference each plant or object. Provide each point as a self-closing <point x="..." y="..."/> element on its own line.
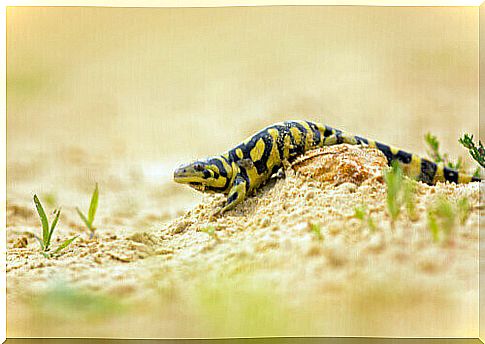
<point x="263" y="271"/>
<point x="121" y="96"/>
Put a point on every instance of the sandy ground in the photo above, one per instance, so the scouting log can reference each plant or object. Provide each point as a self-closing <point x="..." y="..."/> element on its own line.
<point x="122" y="96"/>
<point x="263" y="272"/>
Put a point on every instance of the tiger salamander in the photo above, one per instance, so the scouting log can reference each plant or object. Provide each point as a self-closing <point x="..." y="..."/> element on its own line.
<point x="243" y="169"/>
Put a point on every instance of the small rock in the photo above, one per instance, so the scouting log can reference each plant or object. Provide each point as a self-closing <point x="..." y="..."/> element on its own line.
<point x="348" y="187"/>
<point x="265" y="221"/>
<point x="286" y="206"/>
<point x="310" y="195"/>
<point x="124" y="259"/>
<point x="143" y="238"/>
<point x="97" y="259"/>
<point x="181" y="226"/>
<point x="21" y="242"/>
<point x="165" y="251"/>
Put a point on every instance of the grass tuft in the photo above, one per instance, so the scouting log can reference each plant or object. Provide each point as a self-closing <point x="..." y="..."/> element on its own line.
<point x="363" y="215"/>
<point x="317" y="230"/>
<point x="441" y="219"/>
<point x="211" y="231"/>
<point x="477" y="153"/>
<point x="393" y="178"/>
<point x="61" y="302"/>
<point x="463" y="208"/>
<point x="409" y="199"/>
<point x="47" y="232"/>
<point x="444" y="216"/>
<point x="434" y="153"/>
<point x="400" y="192"/>
<point x="241" y="306"/>
<point x="433" y="147"/>
<point x="88" y="221"/>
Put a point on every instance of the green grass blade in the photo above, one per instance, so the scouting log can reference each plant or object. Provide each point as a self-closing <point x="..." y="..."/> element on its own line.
<point x="53" y="226"/>
<point x="64" y="244"/>
<point x="94" y="205"/>
<point x="40" y="242"/>
<point x="317" y="231"/>
<point x="434" y="147"/>
<point x="463" y="210"/>
<point x="394" y="182"/>
<point x="433" y="226"/>
<point x="477" y="153"/>
<point x="43" y="219"/>
<point x="477" y="172"/>
<point x="85" y="220"/>
<point x="359" y="213"/>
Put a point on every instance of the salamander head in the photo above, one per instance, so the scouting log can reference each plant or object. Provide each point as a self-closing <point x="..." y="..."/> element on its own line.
<point x="211" y="175"/>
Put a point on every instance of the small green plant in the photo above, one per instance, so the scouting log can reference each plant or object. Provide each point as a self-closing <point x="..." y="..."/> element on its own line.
<point x="316" y="229"/>
<point x="91" y="212"/>
<point x="477" y="153"/>
<point x="463" y="208"/>
<point x="363" y="215"/>
<point x="47" y="232"/>
<point x="75" y="303"/>
<point x="244" y="305"/>
<point x="434" y="153"/>
<point x="433" y="225"/>
<point x="409" y="199"/>
<point x="211" y="231"/>
<point x="400" y="192"/>
<point x="434" y="147"/>
<point x="441" y="218"/>
<point x="394" y="180"/>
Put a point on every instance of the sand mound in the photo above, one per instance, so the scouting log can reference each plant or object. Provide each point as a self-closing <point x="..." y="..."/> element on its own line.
<point x="342" y="164"/>
<point x="294" y="248"/>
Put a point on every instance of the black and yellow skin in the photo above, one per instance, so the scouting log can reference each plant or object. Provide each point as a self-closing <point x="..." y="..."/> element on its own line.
<point x="243" y="169"/>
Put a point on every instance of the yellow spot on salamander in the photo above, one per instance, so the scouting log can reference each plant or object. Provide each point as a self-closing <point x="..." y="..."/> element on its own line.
<point x="413" y="169"/>
<point x="227" y="167"/>
<point x="255" y="180"/>
<point x="440" y="173"/>
<point x="274" y="134"/>
<point x="239" y="153"/>
<point x="464" y="178"/>
<point x="309" y="135"/>
<point x="218" y="182"/>
<point x="258" y="150"/>
<point x="296" y="134"/>
<point x="394" y="150"/>
<point x="287" y="147"/>
<point x="274" y="157"/>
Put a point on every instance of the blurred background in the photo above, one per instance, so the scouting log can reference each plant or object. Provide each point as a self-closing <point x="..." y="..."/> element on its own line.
<point x="155" y="87"/>
<point x="121" y="96"/>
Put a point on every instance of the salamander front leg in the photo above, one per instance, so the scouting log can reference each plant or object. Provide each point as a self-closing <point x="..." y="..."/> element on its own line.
<point x="236" y="194"/>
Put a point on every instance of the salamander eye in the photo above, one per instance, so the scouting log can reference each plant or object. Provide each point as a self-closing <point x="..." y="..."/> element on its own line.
<point x="198" y="167"/>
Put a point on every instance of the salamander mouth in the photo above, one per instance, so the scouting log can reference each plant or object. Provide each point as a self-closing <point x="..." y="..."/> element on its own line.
<point x="197" y="186"/>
